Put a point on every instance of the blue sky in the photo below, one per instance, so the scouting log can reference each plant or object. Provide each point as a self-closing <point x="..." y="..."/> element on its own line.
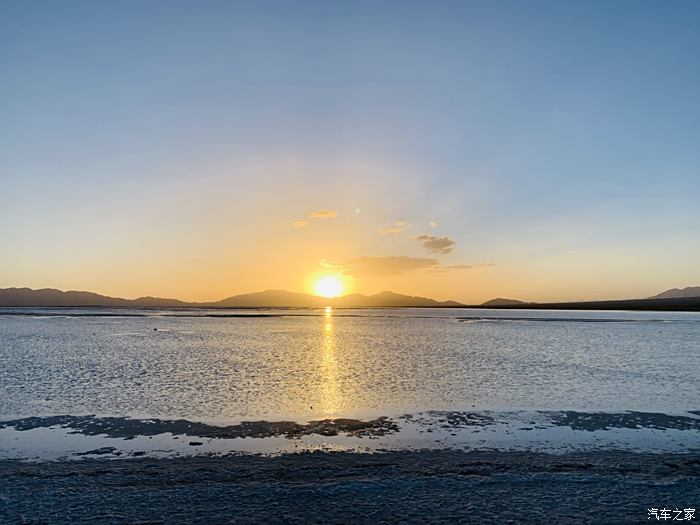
<point x="557" y="140"/>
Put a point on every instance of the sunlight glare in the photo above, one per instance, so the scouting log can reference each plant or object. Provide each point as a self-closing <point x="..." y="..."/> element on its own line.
<point x="328" y="286"/>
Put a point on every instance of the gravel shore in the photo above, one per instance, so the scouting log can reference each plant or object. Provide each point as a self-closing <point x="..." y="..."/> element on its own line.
<point x="344" y="487"/>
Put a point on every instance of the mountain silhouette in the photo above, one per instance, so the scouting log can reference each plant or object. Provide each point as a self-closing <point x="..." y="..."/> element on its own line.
<point x="500" y="301"/>
<point x="49" y="297"/>
<point x="677" y="293"/>
<point x="52" y="297"/>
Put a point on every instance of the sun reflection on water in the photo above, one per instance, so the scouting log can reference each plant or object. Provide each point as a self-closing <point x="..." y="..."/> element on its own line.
<point x="330" y="398"/>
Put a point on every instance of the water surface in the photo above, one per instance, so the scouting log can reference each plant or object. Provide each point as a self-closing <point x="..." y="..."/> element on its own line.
<point x="302" y="365"/>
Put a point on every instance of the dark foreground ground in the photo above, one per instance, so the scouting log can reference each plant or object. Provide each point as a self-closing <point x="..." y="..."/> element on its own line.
<point x="425" y="486"/>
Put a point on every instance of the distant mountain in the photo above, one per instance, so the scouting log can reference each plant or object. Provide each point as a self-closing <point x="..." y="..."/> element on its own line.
<point x="500" y="301"/>
<point x="390" y="299"/>
<point x="677" y="293"/>
<point x="49" y="297"/>
<point x="282" y="298"/>
<point x="52" y="297"/>
<point x="678" y="304"/>
<point x="270" y="298"/>
<point x="56" y="298"/>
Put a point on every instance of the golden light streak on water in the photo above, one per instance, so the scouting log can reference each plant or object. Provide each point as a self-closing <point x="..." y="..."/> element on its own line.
<point x="330" y="398"/>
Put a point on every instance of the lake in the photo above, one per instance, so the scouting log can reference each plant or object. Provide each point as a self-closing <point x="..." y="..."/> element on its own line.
<point x="303" y="365"/>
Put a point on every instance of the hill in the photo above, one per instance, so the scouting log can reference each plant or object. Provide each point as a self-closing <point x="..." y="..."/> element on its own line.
<point x="677" y="293"/>
<point x="688" y="304"/>
<point x="270" y="298"/>
<point x="389" y="299"/>
<point x="282" y="298"/>
<point x="687" y="299"/>
<point x="52" y="297"/>
<point x="48" y="297"/>
<point x="500" y="301"/>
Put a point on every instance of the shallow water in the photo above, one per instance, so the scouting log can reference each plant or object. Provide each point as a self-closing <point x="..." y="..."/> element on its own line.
<point x="311" y="364"/>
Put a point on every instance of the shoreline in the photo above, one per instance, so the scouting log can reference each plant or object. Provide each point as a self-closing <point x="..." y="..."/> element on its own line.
<point x="74" y="437"/>
<point x="678" y="304"/>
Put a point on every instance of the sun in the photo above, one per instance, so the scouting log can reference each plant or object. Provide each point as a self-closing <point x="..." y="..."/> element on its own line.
<point x="328" y="286"/>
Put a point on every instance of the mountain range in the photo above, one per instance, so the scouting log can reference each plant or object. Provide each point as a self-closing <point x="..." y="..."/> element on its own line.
<point x="50" y="297"/>
<point x="674" y="299"/>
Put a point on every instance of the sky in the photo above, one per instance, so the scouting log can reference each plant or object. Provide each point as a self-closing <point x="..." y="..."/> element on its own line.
<point x="458" y="150"/>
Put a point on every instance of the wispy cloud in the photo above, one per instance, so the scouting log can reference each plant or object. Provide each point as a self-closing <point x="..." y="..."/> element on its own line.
<point x="459" y="267"/>
<point x="374" y="267"/>
<point x="300" y="224"/>
<point x="323" y="214"/>
<point x="436" y="244"/>
<point x="395" y="229"/>
<point x="385" y="266"/>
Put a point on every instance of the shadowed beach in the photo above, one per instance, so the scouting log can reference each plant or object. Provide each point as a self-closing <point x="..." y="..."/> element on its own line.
<point x="420" y="486"/>
<point x="429" y="467"/>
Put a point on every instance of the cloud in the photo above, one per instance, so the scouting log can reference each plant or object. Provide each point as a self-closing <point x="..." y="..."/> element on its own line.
<point x="299" y="224"/>
<point x="436" y="244"/>
<point x="323" y="214"/>
<point x="458" y="267"/>
<point x="385" y="266"/>
<point x="396" y="229"/>
<point x="374" y="267"/>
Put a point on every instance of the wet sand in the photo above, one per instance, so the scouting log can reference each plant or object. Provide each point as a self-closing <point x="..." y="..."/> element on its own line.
<point x="66" y="437"/>
<point x="128" y="428"/>
<point x="400" y="486"/>
<point x="555" y="466"/>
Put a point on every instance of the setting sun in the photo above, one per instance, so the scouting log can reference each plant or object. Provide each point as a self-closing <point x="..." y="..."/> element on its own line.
<point x="328" y="286"/>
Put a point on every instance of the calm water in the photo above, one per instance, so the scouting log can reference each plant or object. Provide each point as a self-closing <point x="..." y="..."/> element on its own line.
<point x="307" y="364"/>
